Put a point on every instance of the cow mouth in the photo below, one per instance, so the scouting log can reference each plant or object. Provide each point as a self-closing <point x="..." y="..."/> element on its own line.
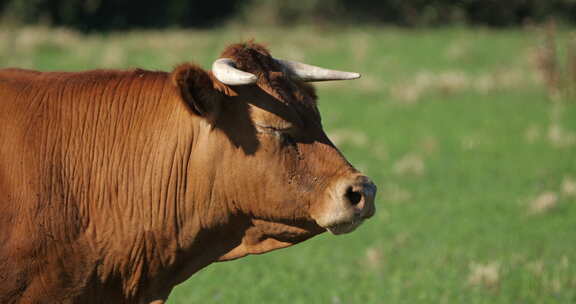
<point x="343" y="228"/>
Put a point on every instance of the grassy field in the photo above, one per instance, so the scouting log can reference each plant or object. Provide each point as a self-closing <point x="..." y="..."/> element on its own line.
<point x="475" y="162"/>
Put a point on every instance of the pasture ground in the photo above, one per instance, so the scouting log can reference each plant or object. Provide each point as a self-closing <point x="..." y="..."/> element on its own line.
<point x="475" y="163"/>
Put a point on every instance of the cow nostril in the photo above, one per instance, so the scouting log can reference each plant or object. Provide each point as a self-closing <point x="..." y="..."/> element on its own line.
<point x="353" y="196"/>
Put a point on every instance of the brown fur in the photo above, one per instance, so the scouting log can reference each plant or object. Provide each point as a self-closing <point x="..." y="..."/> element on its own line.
<point x="117" y="185"/>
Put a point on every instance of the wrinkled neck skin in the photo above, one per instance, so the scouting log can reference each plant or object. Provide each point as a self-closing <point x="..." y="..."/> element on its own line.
<point x="178" y="205"/>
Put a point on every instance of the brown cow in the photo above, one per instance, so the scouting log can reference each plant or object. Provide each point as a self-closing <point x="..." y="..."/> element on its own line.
<point x="117" y="185"/>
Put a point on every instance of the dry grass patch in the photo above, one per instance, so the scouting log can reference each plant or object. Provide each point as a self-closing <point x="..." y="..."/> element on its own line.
<point x="373" y="258"/>
<point x="559" y="137"/>
<point x="568" y="187"/>
<point x="549" y="200"/>
<point x="348" y="136"/>
<point x="543" y="203"/>
<point x="484" y="275"/>
<point x="411" y="164"/>
<point x="449" y="82"/>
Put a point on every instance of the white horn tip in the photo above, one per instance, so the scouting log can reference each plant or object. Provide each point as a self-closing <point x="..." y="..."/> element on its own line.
<point x="354" y="76"/>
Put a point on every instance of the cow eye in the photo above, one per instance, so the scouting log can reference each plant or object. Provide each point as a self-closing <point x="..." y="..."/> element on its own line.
<point x="283" y="134"/>
<point x="273" y="130"/>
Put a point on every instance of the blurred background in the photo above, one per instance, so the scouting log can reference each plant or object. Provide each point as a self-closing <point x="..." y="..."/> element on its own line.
<point x="465" y="117"/>
<point x="98" y="15"/>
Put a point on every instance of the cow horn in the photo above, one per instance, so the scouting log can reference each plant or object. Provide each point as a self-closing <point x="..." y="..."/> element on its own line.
<point x="310" y="73"/>
<point x="224" y="69"/>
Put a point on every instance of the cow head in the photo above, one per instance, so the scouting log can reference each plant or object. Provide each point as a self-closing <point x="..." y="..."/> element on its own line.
<point x="260" y="152"/>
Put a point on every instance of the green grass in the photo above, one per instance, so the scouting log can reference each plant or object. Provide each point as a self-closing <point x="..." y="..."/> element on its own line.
<point x="453" y="124"/>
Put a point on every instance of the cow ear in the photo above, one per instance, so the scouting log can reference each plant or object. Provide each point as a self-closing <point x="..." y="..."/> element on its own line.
<point x="197" y="90"/>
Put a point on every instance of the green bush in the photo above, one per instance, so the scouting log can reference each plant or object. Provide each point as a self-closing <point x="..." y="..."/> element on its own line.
<point x="90" y="15"/>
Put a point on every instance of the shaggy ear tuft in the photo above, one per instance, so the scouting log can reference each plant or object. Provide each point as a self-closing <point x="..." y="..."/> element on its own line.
<point x="197" y="89"/>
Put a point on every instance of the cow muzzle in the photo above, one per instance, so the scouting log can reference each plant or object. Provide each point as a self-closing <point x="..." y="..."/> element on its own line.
<point x="351" y="201"/>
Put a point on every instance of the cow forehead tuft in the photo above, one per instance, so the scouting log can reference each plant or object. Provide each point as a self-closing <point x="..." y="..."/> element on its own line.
<point x="251" y="57"/>
<point x="240" y="50"/>
<point x="256" y="59"/>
